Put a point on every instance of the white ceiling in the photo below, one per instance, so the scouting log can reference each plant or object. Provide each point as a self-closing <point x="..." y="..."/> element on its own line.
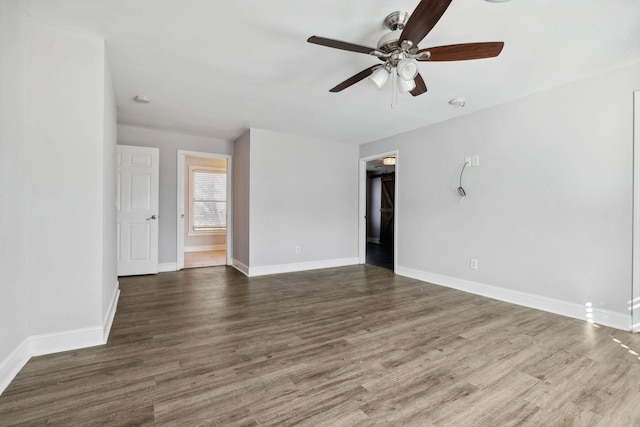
<point x="216" y="68"/>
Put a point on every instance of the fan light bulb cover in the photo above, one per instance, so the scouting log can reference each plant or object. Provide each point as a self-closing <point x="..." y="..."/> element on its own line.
<point x="389" y="161"/>
<point x="407" y="69"/>
<point x="379" y="77"/>
<point x="405" y="86"/>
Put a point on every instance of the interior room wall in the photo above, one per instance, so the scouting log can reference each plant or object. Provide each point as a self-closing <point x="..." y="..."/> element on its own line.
<point x="13" y="226"/>
<point x="169" y="143"/>
<point x="241" y="200"/>
<point x="303" y="193"/>
<point x="65" y="149"/>
<point x="110" y="288"/>
<point x="58" y="120"/>
<point x="548" y="212"/>
<point x="207" y="240"/>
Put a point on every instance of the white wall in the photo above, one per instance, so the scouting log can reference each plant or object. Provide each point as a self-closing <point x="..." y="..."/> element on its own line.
<point x="57" y="133"/>
<point x="169" y="143"/>
<point x="241" y="200"/>
<point x="303" y="192"/>
<point x="548" y="212"/>
<point x="110" y="288"/>
<point x="65" y="118"/>
<point x="13" y="226"/>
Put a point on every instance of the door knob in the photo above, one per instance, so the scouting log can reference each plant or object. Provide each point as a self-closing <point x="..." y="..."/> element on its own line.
<point x="151" y="217"/>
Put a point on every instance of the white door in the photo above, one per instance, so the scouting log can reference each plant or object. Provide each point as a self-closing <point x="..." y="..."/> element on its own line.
<point x="137" y="205"/>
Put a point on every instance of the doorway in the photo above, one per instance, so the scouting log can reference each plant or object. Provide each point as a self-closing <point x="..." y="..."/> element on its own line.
<point x="204" y="189"/>
<point x="378" y="210"/>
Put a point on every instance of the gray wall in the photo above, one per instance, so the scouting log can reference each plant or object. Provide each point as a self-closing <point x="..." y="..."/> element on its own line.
<point x="169" y="143"/>
<point x="304" y="192"/>
<point x="13" y="250"/>
<point x="109" y="220"/>
<point x="65" y="182"/>
<point x="241" y="169"/>
<point x="57" y="188"/>
<point x="548" y="210"/>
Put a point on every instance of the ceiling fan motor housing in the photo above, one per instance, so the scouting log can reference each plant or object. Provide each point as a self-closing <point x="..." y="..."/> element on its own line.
<point x="389" y="42"/>
<point x="396" y="20"/>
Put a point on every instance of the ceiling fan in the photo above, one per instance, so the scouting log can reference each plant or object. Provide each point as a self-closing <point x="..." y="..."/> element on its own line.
<point x="399" y="51"/>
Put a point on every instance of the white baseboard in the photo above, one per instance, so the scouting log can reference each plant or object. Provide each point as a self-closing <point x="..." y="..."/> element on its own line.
<point x="37" y="345"/>
<point x="375" y="240"/>
<point x="165" y="267"/>
<point x="110" y="314"/>
<point x="300" y="266"/>
<point x="65" y="341"/>
<point x="564" y="308"/>
<point x="242" y="268"/>
<point x="204" y="248"/>
<point x="12" y="364"/>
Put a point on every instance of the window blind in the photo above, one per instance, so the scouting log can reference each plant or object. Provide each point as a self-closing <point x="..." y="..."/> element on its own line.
<point x="209" y="200"/>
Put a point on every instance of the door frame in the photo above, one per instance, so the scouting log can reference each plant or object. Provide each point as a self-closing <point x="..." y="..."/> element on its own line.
<point x="634" y="303"/>
<point x="362" y="206"/>
<point x="182" y="155"/>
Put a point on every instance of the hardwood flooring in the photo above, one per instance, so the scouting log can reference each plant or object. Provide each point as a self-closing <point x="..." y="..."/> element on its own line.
<point x="352" y="346"/>
<point x="205" y="259"/>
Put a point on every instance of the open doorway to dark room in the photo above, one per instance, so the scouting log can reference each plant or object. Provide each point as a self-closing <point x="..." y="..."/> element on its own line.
<point x="380" y="212"/>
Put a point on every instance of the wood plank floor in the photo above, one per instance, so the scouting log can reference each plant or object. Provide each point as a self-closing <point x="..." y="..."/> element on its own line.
<point x="205" y="259"/>
<point x="352" y="346"/>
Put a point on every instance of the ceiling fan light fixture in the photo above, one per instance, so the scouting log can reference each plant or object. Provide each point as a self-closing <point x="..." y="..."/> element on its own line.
<point x="399" y="51"/>
<point x="405" y="86"/>
<point x="379" y="77"/>
<point x="407" y="69"/>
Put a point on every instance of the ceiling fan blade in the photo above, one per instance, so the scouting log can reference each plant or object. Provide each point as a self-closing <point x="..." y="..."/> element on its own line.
<point x="420" y="88"/>
<point x="337" y="44"/>
<point x="461" y="52"/>
<point x="354" y="79"/>
<point x="423" y="19"/>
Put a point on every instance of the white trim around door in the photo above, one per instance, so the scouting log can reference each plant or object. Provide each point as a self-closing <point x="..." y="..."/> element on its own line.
<point x="182" y="154"/>
<point x="634" y="303"/>
<point x="362" y="207"/>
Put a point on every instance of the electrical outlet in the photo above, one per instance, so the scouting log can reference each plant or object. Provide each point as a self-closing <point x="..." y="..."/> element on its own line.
<point x="475" y="161"/>
<point x="467" y="161"/>
<point x="473" y="264"/>
<point x="297" y="249"/>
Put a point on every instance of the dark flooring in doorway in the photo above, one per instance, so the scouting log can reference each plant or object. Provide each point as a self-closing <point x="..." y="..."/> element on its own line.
<point x="380" y="255"/>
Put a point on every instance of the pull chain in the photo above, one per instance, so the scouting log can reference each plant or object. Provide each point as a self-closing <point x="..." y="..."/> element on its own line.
<point x="394" y="89"/>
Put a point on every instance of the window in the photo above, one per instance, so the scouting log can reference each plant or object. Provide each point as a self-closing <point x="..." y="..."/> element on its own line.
<point x="208" y="200"/>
